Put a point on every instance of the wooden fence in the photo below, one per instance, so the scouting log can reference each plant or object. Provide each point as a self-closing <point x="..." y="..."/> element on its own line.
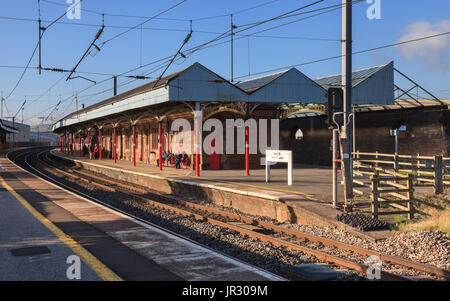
<point x="385" y="190"/>
<point x="427" y="170"/>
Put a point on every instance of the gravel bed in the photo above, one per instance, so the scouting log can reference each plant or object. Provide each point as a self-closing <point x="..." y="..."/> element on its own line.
<point x="428" y="247"/>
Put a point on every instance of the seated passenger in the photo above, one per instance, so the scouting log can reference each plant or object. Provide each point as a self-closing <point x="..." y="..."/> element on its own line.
<point x="177" y="161"/>
<point x="163" y="157"/>
<point x="185" y="158"/>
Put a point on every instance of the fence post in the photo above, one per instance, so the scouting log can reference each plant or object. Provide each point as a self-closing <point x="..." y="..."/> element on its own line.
<point x="376" y="159"/>
<point x="374" y="186"/>
<point x="396" y="162"/>
<point x="418" y="164"/>
<point x="410" y="204"/>
<point x="438" y="181"/>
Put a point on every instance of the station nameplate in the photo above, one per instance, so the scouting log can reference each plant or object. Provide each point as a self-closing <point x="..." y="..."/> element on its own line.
<point x="278" y="155"/>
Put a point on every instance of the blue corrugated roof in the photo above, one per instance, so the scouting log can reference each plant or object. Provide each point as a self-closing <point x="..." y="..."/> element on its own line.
<point x="256" y="83"/>
<point x="357" y="77"/>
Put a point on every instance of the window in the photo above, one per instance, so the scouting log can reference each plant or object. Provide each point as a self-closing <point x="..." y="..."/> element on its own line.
<point x="297" y="134"/>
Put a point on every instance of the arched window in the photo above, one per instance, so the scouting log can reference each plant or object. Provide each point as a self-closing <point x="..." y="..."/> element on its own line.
<point x="297" y="134"/>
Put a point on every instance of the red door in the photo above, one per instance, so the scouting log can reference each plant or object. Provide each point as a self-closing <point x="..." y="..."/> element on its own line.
<point x="214" y="158"/>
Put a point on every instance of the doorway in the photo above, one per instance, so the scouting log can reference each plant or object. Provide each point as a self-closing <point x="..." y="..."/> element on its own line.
<point x="214" y="158"/>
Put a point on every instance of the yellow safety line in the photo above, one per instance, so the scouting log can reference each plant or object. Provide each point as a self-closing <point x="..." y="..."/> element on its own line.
<point x="254" y="186"/>
<point x="102" y="271"/>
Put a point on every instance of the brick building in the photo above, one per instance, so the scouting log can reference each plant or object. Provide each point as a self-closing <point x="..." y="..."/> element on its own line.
<point x="424" y="129"/>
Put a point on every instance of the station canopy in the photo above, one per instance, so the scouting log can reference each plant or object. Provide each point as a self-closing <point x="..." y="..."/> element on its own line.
<point x="4" y="128"/>
<point x="197" y="83"/>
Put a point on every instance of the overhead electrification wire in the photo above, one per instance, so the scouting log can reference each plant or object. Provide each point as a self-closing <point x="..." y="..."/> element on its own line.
<point x="353" y="53"/>
<point x="118" y="15"/>
<point x="142" y="23"/>
<point x="34" y="52"/>
<point x="167" y="19"/>
<point x="97" y="36"/>
<point x="236" y="12"/>
<point x="189" y="51"/>
<point x="171" y="29"/>
<point x="193" y="49"/>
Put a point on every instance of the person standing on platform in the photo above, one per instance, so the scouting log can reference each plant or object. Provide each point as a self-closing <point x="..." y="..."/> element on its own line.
<point x="96" y="152"/>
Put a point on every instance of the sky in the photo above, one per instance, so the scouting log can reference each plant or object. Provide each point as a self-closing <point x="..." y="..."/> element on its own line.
<point x="306" y="37"/>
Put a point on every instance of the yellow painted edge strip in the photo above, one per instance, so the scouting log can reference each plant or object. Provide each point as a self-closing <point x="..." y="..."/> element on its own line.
<point x="254" y="186"/>
<point x="102" y="271"/>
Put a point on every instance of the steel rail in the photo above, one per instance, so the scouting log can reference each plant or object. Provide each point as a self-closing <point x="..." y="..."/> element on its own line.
<point x="298" y="234"/>
<point x="322" y="256"/>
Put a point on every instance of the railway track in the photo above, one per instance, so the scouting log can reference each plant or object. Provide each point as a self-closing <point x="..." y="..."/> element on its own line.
<point x="325" y="250"/>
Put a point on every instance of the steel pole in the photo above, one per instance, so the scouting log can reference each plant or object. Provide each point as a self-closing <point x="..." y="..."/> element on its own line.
<point x="334" y="138"/>
<point x="346" y="133"/>
<point x="231" y="36"/>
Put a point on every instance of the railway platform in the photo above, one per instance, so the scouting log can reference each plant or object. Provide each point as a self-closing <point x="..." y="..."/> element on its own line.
<point x="307" y="201"/>
<point x="45" y="231"/>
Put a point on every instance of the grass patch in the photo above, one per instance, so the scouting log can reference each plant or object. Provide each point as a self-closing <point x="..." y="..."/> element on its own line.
<point x="433" y="215"/>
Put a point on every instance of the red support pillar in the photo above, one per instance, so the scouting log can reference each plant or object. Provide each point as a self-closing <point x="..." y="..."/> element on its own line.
<point x="79" y="144"/>
<point x="61" y="143"/>
<point x="160" y="145"/>
<point x="142" y="147"/>
<point x="89" y="144"/>
<point x="134" y="146"/>
<point x="247" y="155"/>
<point x="115" y="145"/>
<point x="71" y="144"/>
<point x="100" y="152"/>
<point x="197" y="155"/>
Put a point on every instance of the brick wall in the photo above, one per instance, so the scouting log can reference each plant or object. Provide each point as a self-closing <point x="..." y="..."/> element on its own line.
<point x="428" y="134"/>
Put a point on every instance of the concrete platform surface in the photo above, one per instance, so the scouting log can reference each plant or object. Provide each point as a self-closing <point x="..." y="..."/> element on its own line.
<point x="111" y="245"/>
<point x="313" y="182"/>
<point x="19" y="229"/>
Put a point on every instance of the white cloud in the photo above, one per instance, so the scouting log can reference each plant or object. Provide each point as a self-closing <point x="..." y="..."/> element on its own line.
<point x="432" y="52"/>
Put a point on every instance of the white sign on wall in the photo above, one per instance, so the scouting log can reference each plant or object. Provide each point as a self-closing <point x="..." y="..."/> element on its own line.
<point x="274" y="156"/>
